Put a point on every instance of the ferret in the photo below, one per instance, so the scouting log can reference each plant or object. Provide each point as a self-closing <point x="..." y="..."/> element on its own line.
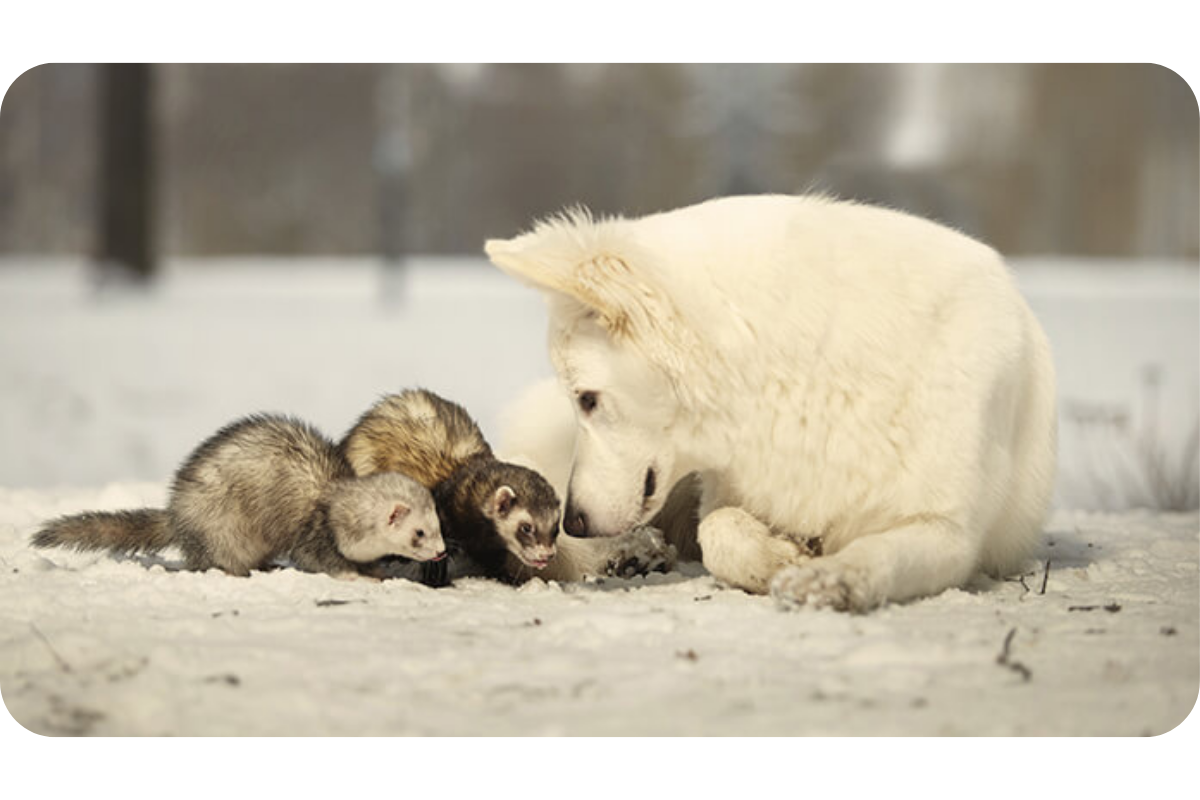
<point x="268" y="487"/>
<point x="499" y="516"/>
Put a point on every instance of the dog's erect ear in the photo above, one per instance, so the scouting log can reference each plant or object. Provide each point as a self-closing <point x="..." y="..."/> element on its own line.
<point x="600" y="269"/>
<point x="546" y="256"/>
<point x="589" y="262"/>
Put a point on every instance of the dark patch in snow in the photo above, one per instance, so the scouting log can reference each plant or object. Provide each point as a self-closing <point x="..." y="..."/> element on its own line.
<point x="687" y="655"/>
<point x="325" y="603"/>
<point x="229" y="679"/>
<point x="1111" y="608"/>
<point x="702" y="597"/>
<point x="1167" y="630"/>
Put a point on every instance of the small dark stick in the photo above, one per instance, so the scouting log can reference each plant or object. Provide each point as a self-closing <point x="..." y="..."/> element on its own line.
<point x="1015" y="666"/>
<point x="62" y="662"/>
<point x="1045" y="577"/>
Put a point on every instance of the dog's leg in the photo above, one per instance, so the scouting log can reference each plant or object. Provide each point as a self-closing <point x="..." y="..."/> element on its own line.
<point x="742" y="551"/>
<point x="923" y="557"/>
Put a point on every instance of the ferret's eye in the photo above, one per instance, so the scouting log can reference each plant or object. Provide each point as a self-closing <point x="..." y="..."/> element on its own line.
<point x="587" y="402"/>
<point x="525" y="529"/>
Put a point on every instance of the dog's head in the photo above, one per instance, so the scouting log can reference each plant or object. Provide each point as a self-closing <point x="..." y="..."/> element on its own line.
<point x="617" y="343"/>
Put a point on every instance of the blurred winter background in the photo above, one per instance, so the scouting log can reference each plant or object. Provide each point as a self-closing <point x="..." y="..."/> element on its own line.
<point x="184" y="244"/>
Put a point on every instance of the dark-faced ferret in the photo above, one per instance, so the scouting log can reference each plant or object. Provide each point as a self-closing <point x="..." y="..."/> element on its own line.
<point x="268" y="487"/>
<point x="498" y="518"/>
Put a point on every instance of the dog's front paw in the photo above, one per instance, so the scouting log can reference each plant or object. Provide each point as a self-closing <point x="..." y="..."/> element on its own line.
<point x="640" y="551"/>
<point x="822" y="583"/>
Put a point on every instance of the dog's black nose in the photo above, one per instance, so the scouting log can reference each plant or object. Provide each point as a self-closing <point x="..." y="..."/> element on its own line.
<point x="575" y="522"/>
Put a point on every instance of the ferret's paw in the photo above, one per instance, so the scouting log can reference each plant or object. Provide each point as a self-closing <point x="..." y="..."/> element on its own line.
<point x="823" y="583"/>
<point x="640" y="551"/>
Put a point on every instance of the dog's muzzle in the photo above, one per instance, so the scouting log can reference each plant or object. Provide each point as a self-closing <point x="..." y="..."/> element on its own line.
<point x="575" y="522"/>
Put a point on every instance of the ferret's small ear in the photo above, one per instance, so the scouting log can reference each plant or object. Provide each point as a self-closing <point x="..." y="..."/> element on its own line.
<point x="503" y="501"/>
<point x="399" y="512"/>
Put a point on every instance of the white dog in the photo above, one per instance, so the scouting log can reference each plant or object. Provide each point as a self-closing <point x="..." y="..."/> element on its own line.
<point x="868" y="401"/>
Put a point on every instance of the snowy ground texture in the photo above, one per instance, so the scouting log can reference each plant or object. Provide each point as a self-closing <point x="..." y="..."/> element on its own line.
<point x="102" y="396"/>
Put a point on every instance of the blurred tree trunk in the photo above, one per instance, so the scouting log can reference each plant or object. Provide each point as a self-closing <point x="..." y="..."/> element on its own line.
<point x="126" y="171"/>
<point x="1087" y="135"/>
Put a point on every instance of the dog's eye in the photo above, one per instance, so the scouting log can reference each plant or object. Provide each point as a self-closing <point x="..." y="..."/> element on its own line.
<point x="587" y="402"/>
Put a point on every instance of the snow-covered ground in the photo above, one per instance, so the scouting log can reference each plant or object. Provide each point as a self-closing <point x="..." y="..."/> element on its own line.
<point x="103" y="395"/>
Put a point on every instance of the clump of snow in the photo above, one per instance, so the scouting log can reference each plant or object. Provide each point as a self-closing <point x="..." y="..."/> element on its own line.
<point x="105" y="397"/>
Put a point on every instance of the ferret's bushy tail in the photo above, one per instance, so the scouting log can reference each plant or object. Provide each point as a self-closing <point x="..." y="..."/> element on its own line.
<point x="142" y="530"/>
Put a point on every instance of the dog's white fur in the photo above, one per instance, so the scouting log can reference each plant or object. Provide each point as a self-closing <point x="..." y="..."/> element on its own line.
<point x="830" y="369"/>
